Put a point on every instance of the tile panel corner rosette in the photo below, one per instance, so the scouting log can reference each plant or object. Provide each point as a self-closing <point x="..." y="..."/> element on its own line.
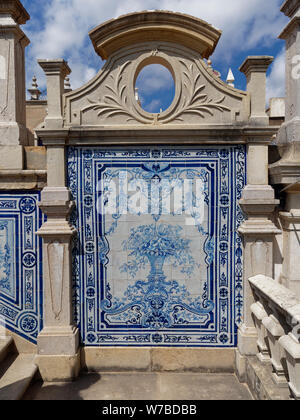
<point x="154" y="276"/>
<point x="21" y="264"/>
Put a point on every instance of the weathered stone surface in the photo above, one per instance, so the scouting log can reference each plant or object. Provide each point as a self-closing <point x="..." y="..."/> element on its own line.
<point x="16" y="380"/>
<point x="197" y="360"/>
<point x="144" y="386"/>
<point x="260" y="382"/>
<point x="58" y="368"/>
<point x="116" y="359"/>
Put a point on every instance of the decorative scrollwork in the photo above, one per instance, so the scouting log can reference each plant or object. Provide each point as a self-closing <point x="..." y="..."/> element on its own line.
<point x="117" y="102"/>
<point x="195" y="101"/>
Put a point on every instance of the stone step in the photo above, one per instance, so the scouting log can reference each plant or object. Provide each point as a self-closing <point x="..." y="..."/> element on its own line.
<point x="17" y="378"/>
<point x="5" y="347"/>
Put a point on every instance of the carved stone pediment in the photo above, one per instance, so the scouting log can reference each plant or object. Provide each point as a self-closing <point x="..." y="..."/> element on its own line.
<point x="201" y="98"/>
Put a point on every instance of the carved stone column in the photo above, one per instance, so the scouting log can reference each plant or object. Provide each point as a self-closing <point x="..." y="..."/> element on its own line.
<point x="58" y="343"/>
<point x="13" y="133"/>
<point x="286" y="172"/>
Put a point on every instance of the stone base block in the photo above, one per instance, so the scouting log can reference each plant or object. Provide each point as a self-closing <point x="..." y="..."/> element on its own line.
<point x="11" y="157"/>
<point x="53" y="341"/>
<point x="192" y="360"/>
<point x="157" y="360"/>
<point x="280" y="380"/>
<point x="260" y="383"/>
<point x="240" y="366"/>
<point x="116" y="359"/>
<point x="58" y="368"/>
<point x="247" y="339"/>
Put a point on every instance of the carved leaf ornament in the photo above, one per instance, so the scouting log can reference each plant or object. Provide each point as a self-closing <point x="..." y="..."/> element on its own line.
<point x="196" y="101"/>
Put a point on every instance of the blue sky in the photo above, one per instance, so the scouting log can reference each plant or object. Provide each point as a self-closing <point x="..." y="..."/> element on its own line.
<point x="59" y="29"/>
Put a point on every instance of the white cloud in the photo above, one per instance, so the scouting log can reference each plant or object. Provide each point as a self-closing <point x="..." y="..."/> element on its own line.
<point x="154" y="78"/>
<point x="276" y="79"/>
<point x="245" y="24"/>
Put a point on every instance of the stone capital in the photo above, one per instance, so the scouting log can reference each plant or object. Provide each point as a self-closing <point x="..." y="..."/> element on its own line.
<point x="256" y="64"/>
<point x="255" y="69"/>
<point x="58" y="67"/>
<point x="15" y="10"/>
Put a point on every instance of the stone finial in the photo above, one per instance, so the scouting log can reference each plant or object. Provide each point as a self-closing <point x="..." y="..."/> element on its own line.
<point x="230" y="78"/>
<point x="67" y="85"/>
<point x="15" y="10"/>
<point x="255" y="69"/>
<point x="35" y="93"/>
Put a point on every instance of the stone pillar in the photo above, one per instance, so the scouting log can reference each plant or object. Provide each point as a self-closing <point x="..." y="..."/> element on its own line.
<point x="13" y="133"/>
<point x="258" y="231"/>
<point x="56" y="71"/>
<point x="58" y="356"/>
<point x="255" y="69"/>
<point x="286" y="172"/>
<point x="58" y="343"/>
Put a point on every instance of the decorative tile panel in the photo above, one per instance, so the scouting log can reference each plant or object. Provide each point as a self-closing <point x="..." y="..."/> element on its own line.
<point x="158" y="260"/>
<point x="20" y="264"/>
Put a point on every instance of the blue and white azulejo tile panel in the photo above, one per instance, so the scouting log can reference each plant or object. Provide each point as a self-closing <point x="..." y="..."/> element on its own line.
<point x="20" y="264"/>
<point x="158" y="260"/>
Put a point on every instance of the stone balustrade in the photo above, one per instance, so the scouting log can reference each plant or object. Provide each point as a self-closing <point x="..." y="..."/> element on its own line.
<point x="276" y="314"/>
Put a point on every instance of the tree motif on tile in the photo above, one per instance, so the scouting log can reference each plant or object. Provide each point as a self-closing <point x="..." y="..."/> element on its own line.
<point x="157" y="303"/>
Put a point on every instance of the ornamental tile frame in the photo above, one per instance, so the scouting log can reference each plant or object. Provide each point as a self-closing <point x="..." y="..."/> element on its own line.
<point x="123" y="294"/>
<point x="21" y="294"/>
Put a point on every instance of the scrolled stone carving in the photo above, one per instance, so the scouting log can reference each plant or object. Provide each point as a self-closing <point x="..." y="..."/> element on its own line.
<point x="197" y="102"/>
<point x="200" y="96"/>
<point x="115" y="103"/>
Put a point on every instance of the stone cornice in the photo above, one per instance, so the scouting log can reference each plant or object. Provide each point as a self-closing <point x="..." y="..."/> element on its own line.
<point x="19" y="34"/>
<point x="290" y="7"/>
<point x="155" y="25"/>
<point x="22" y="179"/>
<point x="193" y="135"/>
<point x="284" y="173"/>
<point x="15" y="9"/>
<point x="290" y="27"/>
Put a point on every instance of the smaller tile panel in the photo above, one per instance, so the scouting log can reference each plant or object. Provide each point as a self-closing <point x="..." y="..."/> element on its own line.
<point x="21" y="264"/>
